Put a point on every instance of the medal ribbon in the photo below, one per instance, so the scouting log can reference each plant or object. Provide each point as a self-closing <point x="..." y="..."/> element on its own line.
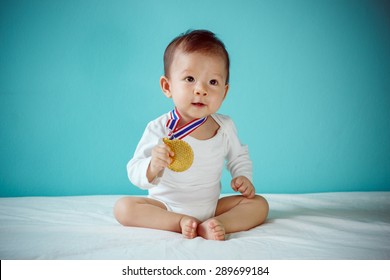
<point x="179" y="133"/>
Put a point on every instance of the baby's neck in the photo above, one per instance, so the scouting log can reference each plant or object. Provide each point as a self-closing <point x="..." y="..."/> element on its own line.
<point x="208" y="130"/>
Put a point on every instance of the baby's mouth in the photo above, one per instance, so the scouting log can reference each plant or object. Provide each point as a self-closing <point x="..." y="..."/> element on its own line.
<point x="198" y="104"/>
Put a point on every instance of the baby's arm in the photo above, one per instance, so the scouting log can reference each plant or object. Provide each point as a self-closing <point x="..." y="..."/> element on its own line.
<point x="161" y="158"/>
<point x="138" y="166"/>
<point x="238" y="161"/>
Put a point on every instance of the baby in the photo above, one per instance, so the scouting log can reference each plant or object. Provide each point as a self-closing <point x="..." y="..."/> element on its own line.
<point x="196" y="77"/>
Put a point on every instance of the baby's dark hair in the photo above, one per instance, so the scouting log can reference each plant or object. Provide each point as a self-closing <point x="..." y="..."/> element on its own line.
<point x="202" y="41"/>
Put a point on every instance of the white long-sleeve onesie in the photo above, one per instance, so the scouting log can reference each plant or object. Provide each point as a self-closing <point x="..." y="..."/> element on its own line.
<point x="196" y="191"/>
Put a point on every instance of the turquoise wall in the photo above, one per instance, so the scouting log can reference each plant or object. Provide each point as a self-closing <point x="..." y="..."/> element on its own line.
<point x="79" y="80"/>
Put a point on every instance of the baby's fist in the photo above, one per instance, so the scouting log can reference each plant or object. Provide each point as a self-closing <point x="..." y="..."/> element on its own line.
<point x="244" y="186"/>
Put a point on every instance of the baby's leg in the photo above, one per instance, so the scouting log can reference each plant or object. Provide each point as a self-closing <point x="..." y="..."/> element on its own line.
<point x="233" y="214"/>
<point x="150" y="213"/>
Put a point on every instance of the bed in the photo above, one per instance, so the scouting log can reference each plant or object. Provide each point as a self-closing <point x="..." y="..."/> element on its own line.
<point x="325" y="226"/>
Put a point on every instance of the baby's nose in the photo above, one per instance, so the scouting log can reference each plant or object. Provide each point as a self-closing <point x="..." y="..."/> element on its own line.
<point x="200" y="89"/>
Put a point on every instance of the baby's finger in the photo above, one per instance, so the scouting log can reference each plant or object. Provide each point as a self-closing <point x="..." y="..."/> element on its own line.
<point x="239" y="182"/>
<point x="163" y="151"/>
<point x="168" y="150"/>
<point x="161" y="158"/>
<point x="252" y="194"/>
<point x="243" y="189"/>
<point x="247" y="190"/>
<point x="233" y="185"/>
<point x="164" y="147"/>
<point x="249" y="193"/>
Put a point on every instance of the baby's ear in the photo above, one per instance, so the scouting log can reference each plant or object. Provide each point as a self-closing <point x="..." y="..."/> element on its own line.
<point x="226" y="90"/>
<point x="165" y="86"/>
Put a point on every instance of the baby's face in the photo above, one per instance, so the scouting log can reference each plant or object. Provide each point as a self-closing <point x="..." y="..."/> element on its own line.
<point x="197" y="84"/>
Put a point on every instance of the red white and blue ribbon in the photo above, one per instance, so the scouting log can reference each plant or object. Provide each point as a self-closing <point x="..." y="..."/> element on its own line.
<point x="181" y="132"/>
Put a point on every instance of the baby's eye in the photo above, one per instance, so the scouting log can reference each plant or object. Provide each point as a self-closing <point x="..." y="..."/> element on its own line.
<point x="214" y="82"/>
<point x="189" y="79"/>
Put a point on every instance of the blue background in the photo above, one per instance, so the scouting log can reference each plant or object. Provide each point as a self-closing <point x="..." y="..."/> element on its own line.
<point x="79" y="80"/>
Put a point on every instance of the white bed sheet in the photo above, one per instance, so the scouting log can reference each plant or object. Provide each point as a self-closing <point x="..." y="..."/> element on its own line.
<point x="353" y="225"/>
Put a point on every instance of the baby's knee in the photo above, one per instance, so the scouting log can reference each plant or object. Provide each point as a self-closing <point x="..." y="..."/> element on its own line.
<point x="123" y="209"/>
<point x="262" y="201"/>
<point x="263" y="207"/>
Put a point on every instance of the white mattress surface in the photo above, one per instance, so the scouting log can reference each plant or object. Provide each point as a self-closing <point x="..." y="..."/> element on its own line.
<point x="350" y="225"/>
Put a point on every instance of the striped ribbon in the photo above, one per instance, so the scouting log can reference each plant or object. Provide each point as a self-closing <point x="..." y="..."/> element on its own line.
<point x="181" y="132"/>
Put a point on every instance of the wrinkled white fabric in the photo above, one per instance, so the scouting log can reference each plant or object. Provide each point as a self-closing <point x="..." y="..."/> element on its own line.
<point x="350" y="225"/>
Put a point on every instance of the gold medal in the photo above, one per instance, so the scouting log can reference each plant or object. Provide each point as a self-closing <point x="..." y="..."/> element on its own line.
<point x="183" y="154"/>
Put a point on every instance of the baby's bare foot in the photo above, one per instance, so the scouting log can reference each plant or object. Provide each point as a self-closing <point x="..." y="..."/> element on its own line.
<point x="188" y="227"/>
<point x="212" y="229"/>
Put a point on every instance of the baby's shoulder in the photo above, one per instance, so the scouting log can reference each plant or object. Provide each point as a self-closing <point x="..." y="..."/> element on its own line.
<point x="223" y="120"/>
<point x="158" y="124"/>
<point x="161" y="120"/>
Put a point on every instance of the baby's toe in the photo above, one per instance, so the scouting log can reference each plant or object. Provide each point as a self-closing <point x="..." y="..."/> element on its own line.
<point x="218" y="229"/>
<point x="188" y="227"/>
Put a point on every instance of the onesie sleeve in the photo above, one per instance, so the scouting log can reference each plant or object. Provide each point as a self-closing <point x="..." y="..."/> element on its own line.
<point x="238" y="161"/>
<point x="138" y="165"/>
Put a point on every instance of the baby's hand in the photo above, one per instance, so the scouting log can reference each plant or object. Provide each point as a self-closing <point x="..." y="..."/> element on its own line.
<point x="244" y="186"/>
<point x="161" y="158"/>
